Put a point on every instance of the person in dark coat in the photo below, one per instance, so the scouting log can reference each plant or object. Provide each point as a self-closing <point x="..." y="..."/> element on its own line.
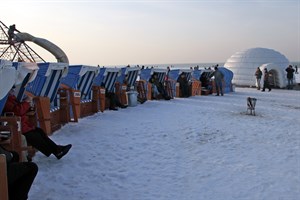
<point x="20" y="175"/>
<point x="11" y="33"/>
<point x="290" y="76"/>
<point x="184" y="85"/>
<point x="266" y="80"/>
<point x="35" y="136"/>
<point x="219" y="76"/>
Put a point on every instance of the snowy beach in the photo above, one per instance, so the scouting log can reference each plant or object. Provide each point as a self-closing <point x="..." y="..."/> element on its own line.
<point x="202" y="147"/>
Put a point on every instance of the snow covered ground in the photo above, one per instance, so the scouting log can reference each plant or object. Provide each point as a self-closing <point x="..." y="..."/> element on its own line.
<point x="203" y="147"/>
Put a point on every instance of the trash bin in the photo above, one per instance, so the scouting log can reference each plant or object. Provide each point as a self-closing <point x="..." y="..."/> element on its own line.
<point x="132" y="98"/>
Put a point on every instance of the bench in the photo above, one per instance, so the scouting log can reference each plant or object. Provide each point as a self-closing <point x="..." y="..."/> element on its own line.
<point x="105" y="82"/>
<point x="126" y="82"/>
<point x="44" y="89"/>
<point x="11" y="137"/>
<point x="174" y="74"/>
<point x="145" y="87"/>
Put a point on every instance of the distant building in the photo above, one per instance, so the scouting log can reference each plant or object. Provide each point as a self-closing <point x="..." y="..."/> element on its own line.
<point x="244" y="63"/>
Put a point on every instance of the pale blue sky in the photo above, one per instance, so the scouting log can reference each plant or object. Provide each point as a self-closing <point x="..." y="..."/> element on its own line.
<point x="149" y="32"/>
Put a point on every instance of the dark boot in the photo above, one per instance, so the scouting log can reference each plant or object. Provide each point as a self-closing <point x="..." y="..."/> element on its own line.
<point x="113" y="108"/>
<point x="62" y="150"/>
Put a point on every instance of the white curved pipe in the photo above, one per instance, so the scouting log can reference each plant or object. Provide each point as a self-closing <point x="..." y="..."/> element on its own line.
<point x="46" y="44"/>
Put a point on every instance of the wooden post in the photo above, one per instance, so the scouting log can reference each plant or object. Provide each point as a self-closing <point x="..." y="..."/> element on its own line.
<point x="64" y="111"/>
<point x="43" y="113"/>
<point x="141" y="90"/>
<point x="12" y="125"/>
<point x="196" y="88"/>
<point x="123" y="95"/>
<point x="3" y="178"/>
<point x="95" y="99"/>
<point x="102" y="98"/>
<point x="75" y="104"/>
<point x="149" y="89"/>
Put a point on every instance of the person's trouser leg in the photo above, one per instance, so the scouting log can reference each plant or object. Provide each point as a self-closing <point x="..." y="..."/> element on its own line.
<point x="265" y="86"/>
<point x="39" y="140"/>
<point x="221" y="88"/>
<point x="218" y="87"/>
<point x="290" y="83"/>
<point x="258" y="84"/>
<point x="20" y="178"/>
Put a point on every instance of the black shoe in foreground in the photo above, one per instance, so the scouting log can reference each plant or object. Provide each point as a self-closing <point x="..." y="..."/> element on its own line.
<point x="64" y="150"/>
<point x="123" y="106"/>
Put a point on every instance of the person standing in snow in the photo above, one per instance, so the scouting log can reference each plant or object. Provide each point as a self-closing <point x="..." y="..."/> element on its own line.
<point x="184" y="85"/>
<point x="258" y="75"/>
<point x="290" y="76"/>
<point x="219" y="76"/>
<point x="266" y="80"/>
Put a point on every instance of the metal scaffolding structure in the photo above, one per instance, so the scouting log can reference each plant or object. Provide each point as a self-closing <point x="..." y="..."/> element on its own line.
<point x="14" y="49"/>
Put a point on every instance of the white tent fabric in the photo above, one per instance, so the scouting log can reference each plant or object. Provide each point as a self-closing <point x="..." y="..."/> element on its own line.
<point x="243" y="64"/>
<point x="280" y="75"/>
<point x="23" y="68"/>
<point x="7" y="77"/>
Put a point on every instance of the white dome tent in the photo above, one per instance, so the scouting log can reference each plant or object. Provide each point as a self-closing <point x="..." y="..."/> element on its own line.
<point x="243" y="64"/>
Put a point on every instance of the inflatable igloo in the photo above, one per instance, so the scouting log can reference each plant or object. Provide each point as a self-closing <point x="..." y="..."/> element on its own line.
<point x="243" y="64"/>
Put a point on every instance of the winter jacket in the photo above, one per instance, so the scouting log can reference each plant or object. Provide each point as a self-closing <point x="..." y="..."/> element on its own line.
<point x="290" y="72"/>
<point x="19" y="109"/>
<point x="266" y="77"/>
<point x="218" y="75"/>
<point x="258" y="74"/>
